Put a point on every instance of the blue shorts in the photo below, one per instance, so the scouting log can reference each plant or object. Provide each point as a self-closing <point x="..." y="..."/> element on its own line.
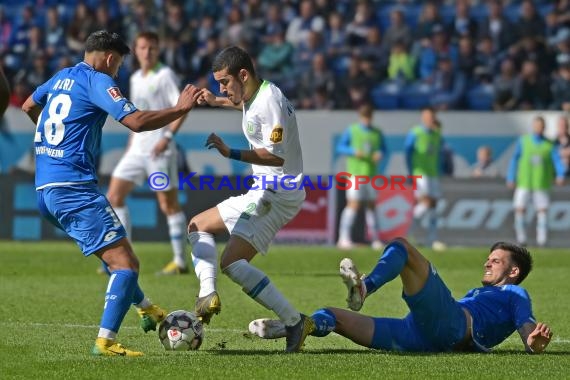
<point x="436" y="322"/>
<point x="84" y="213"/>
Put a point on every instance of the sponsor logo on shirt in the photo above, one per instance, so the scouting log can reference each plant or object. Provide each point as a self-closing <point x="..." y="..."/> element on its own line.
<point x="115" y="93"/>
<point x="276" y="134"/>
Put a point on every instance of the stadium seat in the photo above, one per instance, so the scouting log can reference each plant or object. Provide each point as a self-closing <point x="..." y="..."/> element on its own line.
<point x="415" y="97"/>
<point x="480" y="98"/>
<point x="386" y="96"/>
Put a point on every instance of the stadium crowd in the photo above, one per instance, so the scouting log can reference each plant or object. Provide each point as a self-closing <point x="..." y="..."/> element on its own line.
<point x="324" y="54"/>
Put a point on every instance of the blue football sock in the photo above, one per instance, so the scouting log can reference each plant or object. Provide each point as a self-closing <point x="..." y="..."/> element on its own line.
<point x="138" y="295"/>
<point x="389" y="267"/>
<point x="120" y="293"/>
<point x="325" y="322"/>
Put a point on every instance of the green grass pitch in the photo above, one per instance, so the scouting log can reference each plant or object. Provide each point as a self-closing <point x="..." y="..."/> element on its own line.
<point x="51" y="302"/>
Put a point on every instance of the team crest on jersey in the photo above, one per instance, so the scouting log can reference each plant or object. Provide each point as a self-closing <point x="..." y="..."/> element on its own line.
<point x="276" y="134"/>
<point x="115" y="93"/>
<point x="250" y="128"/>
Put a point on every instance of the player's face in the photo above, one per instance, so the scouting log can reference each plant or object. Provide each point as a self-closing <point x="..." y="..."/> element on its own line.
<point x="114" y="63"/>
<point x="499" y="269"/>
<point x="147" y="53"/>
<point x="231" y="86"/>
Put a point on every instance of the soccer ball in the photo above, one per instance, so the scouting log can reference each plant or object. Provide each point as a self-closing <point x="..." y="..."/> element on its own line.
<point x="181" y="331"/>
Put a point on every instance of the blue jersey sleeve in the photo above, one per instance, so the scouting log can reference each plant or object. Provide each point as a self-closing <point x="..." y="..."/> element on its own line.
<point x="383" y="147"/>
<point x="559" y="167"/>
<point x="40" y="94"/>
<point x="522" y="309"/>
<point x="512" y="171"/>
<point x="409" y="150"/>
<point x="343" y="146"/>
<point x="106" y="95"/>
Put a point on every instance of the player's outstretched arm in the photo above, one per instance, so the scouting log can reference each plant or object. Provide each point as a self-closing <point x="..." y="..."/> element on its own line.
<point x="206" y="97"/>
<point x="259" y="156"/>
<point x="140" y="121"/>
<point x="535" y="337"/>
<point x="32" y="109"/>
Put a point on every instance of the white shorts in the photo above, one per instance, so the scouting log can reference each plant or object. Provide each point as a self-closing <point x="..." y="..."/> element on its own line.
<point x="540" y="198"/>
<point x="427" y="187"/>
<point x="137" y="168"/>
<point x="257" y="216"/>
<point x="365" y="192"/>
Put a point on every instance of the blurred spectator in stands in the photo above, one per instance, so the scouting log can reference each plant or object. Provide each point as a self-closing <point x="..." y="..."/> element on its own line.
<point x="5" y="31"/>
<point x="358" y="28"/>
<point x="371" y="72"/>
<point x="373" y="50"/>
<point x="497" y="27"/>
<point x="561" y="88"/>
<point x="36" y="45"/>
<point x="319" y="77"/>
<point x="504" y="87"/>
<point x="103" y="20"/>
<point x="398" y="31"/>
<point x="203" y="58"/>
<point x="324" y="8"/>
<point x="20" y="92"/>
<point x="355" y="84"/>
<point x="38" y="73"/>
<point x="448" y="85"/>
<point x="274" y="21"/>
<point x="205" y="31"/>
<point x="530" y="22"/>
<point x="484" y="167"/>
<point x="428" y="56"/>
<point x="429" y="18"/>
<point x="562" y="13"/>
<point x="560" y="45"/>
<point x="236" y="31"/>
<point x="81" y="25"/>
<point x="466" y="57"/>
<point x="19" y="41"/>
<point x="401" y="66"/>
<point x="462" y="25"/>
<point x="54" y="34"/>
<point x="563" y="142"/>
<point x="306" y="51"/>
<point x="64" y="62"/>
<point x="275" y="61"/>
<point x="175" y="24"/>
<point x="254" y="16"/>
<point x="531" y="88"/>
<point x="336" y="46"/>
<point x="531" y="48"/>
<point x="307" y="21"/>
<point x="142" y="15"/>
<point x="487" y="57"/>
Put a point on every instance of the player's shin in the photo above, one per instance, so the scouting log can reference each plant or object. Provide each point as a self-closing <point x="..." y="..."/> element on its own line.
<point x="258" y="286"/>
<point x="388" y="267"/>
<point x="118" y="298"/>
<point x="176" y="228"/>
<point x="204" y="258"/>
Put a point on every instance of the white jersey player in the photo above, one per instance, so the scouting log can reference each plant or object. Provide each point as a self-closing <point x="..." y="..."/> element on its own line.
<point x="254" y="218"/>
<point x="153" y="87"/>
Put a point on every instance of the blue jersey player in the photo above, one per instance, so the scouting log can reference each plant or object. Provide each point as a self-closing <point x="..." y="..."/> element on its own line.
<point x="437" y="322"/>
<point x="69" y="111"/>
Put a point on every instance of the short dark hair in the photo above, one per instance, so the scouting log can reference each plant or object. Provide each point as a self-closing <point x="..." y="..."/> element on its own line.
<point x="233" y="59"/>
<point x="148" y="35"/>
<point x="519" y="255"/>
<point x="103" y="40"/>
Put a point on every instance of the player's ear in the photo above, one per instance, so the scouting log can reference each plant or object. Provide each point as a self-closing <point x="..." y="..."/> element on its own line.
<point x="514" y="273"/>
<point x="243" y="75"/>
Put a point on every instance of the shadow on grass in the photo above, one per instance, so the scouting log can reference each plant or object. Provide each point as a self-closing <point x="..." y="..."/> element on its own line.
<point x="345" y="351"/>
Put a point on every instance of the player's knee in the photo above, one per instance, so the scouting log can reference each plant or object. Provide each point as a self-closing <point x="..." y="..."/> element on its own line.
<point x="115" y="199"/>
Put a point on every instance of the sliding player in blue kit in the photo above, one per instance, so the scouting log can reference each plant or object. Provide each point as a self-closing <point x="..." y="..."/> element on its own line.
<point x="482" y="319"/>
<point x="69" y="111"/>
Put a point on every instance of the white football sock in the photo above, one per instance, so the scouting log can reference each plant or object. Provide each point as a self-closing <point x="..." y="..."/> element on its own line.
<point x="419" y="210"/>
<point x="144" y="303"/>
<point x="176" y="228"/>
<point x="205" y="260"/>
<point x="541" y="228"/>
<point x="106" y="333"/>
<point x="520" y="229"/>
<point x="258" y="286"/>
<point x="125" y="218"/>
<point x="372" y="225"/>
<point x="346" y="221"/>
<point x="432" y="225"/>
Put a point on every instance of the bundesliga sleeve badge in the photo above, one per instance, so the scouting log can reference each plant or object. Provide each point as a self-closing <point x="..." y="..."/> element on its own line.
<point x="115" y="93"/>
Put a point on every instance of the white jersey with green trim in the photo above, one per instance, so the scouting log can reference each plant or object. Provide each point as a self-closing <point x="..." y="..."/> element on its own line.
<point x="156" y="90"/>
<point x="269" y="122"/>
